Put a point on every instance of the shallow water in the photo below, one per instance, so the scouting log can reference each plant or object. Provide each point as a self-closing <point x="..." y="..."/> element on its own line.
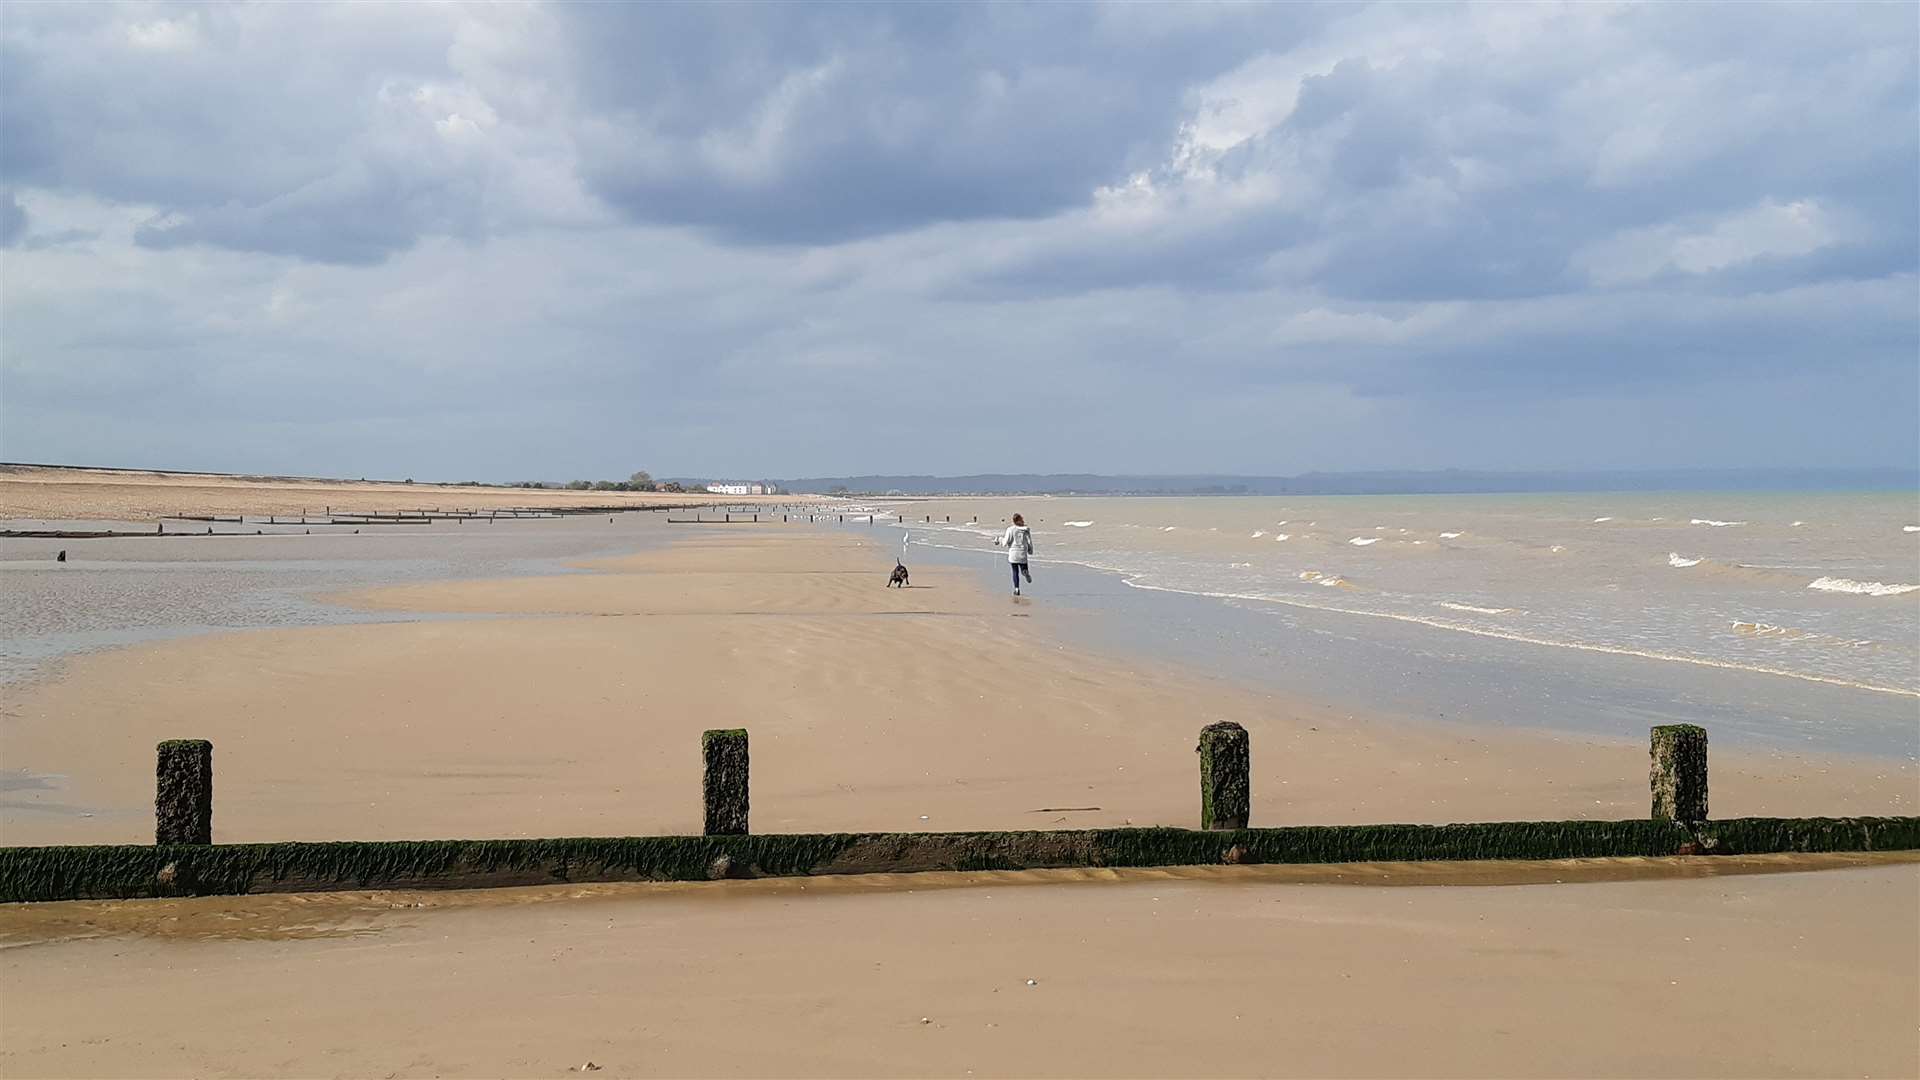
<point x="123" y="591"/>
<point x="1782" y="617"/>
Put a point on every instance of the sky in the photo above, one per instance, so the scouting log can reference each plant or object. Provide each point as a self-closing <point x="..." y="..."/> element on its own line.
<point x="551" y="241"/>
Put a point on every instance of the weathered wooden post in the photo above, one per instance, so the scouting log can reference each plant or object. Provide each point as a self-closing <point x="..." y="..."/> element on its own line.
<point x="183" y="792"/>
<point x="1679" y="773"/>
<point x="724" y="785"/>
<point x="1224" y="789"/>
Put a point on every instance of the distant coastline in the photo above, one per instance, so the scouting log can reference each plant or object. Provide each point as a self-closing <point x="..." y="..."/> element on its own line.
<point x="1434" y="482"/>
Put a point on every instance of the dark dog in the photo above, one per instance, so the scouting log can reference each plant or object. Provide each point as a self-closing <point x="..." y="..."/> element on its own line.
<point x="899" y="576"/>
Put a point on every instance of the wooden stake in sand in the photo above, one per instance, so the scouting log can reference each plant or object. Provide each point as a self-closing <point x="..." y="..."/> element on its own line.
<point x="183" y="793"/>
<point x="724" y="785"/>
<point x="1679" y="773"/>
<point x="1224" y="789"/>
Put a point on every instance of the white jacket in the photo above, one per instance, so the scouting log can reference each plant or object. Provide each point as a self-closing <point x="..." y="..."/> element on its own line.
<point x="1019" y="543"/>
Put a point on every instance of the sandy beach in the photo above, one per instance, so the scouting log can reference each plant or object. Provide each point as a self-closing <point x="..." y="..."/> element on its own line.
<point x="58" y="494"/>
<point x="572" y="704"/>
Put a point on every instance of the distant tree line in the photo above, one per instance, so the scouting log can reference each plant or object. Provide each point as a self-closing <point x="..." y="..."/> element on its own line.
<point x="640" y="481"/>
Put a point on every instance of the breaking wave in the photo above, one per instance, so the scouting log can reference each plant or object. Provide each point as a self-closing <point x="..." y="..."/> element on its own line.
<point x="1475" y="610"/>
<point x="1076" y="524"/>
<point x="1363" y="541"/>
<point x="1715" y="524"/>
<point x="1449" y="536"/>
<point x="1598" y="520"/>
<point x="1679" y="561"/>
<point x="1860" y="588"/>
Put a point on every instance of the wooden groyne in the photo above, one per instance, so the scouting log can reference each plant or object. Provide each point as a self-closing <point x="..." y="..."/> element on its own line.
<point x="182" y="862"/>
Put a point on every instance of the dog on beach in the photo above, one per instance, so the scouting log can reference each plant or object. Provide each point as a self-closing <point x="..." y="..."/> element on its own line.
<point x="899" y="575"/>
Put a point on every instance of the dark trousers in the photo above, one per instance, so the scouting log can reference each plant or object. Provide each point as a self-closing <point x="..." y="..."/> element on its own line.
<point x="1020" y="568"/>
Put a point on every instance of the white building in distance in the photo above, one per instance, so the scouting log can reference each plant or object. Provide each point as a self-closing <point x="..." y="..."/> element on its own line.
<point x="738" y="489"/>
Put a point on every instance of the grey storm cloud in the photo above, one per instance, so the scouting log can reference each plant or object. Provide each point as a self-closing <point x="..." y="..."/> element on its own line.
<point x="13" y="219"/>
<point x="1040" y="225"/>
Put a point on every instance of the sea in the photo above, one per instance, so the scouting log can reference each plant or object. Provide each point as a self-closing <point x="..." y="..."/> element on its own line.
<point x="1789" y="617"/>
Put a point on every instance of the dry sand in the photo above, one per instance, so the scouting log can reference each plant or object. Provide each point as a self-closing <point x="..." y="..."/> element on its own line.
<point x="573" y="707"/>
<point x="53" y="494"/>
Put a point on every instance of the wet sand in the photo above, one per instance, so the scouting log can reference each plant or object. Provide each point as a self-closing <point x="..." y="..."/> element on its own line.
<point x="1223" y="973"/>
<point x="572" y="705"/>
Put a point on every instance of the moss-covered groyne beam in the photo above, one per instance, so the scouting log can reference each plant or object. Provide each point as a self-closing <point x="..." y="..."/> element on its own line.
<point x="130" y="871"/>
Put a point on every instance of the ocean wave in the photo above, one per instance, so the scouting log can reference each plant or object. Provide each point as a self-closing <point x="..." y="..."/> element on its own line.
<point x="1277" y="537"/>
<point x="1910" y="528"/>
<point x="1363" y="541"/>
<point x="1076" y="524"/>
<point x="1598" y="520"/>
<point x="1557" y="548"/>
<point x="1331" y="581"/>
<point x="1715" y="524"/>
<point x="1797" y="524"/>
<point x="1679" y="561"/>
<point x="1449" y="536"/>
<point x="1776" y="632"/>
<point x="1860" y="588"/>
<point x="1168" y="528"/>
<point x="1258" y="533"/>
<point x="1475" y="610"/>
<point x="1764" y="629"/>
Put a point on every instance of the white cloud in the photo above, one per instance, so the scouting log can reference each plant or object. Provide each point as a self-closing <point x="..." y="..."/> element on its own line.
<point x="1769" y="230"/>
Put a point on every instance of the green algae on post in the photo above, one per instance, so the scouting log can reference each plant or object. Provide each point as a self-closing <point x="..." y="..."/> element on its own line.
<point x="183" y="792"/>
<point x="1679" y="773"/>
<point x="724" y="783"/>
<point x="1225" y="792"/>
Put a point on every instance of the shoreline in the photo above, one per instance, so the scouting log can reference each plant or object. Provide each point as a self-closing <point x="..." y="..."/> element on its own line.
<point x="1418" y="674"/>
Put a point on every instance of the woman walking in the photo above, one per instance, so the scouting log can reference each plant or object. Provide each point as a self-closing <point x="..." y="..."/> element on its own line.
<point x="1019" y="544"/>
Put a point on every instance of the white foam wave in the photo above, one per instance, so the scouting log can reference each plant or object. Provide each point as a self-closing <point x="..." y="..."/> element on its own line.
<point x="1715" y="524"/>
<point x="1258" y="533"/>
<point x="1598" y="520"/>
<point x="1076" y="524"/>
<point x="1860" y="588"/>
<point x="1168" y="528"/>
<point x="1278" y="537"/>
<point x="1903" y="528"/>
<point x="1797" y="524"/>
<point x="1363" y="541"/>
<point x="1679" y="561"/>
<point x="1476" y="610"/>
<point x="1279" y="523"/>
<point x="1449" y="536"/>
<point x="1331" y="581"/>
<point x="1557" y="548"/>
